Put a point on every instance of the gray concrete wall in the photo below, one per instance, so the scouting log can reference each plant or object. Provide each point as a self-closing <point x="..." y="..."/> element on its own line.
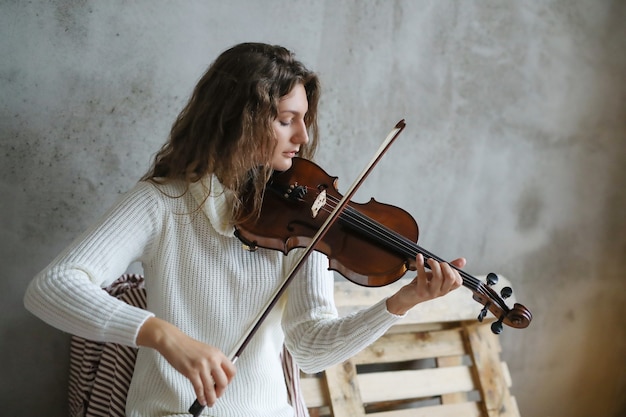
<point x="514" y="155"/>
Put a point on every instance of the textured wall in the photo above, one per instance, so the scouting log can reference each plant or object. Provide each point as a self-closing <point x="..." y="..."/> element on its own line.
<point x="514" y="155"/>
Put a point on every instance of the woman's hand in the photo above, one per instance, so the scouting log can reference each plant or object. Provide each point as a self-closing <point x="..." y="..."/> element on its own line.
<point x="440" y="280"/>
<point x="208" y="369"/>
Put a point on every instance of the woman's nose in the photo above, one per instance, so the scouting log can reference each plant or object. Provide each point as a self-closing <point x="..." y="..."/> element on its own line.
<point x="302" y="134"/>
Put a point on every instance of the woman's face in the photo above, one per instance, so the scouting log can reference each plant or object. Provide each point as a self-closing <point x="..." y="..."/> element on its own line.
<point x="289" y="127"/>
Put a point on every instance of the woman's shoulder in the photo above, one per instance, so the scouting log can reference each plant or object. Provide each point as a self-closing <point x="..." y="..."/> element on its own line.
<point x="160" y="188"/>
<point x="149" y="196"/>
<point x="168" y="195"/>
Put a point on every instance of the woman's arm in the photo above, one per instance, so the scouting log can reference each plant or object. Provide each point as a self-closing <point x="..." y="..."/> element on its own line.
<point x="317" y="338"/>
<point x="68" y="293"/>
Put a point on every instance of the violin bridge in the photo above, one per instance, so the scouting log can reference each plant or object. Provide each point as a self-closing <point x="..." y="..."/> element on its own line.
<point x="319" y="202"/>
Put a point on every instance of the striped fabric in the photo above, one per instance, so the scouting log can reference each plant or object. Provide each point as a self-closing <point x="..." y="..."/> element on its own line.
<point x="292" y="381"/>
<point x="100" y="373"/>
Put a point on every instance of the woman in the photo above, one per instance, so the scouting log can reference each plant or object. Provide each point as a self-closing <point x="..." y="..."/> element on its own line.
<point x="251" y="113"/>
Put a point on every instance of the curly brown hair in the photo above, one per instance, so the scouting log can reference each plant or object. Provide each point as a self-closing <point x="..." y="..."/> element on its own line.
<point x="226" y="127"/>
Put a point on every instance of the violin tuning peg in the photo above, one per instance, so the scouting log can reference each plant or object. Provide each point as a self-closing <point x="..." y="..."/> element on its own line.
<point x="288" y="191"/>
<point x="294" y="192"/>
<point x="496" y="327"/>
<point x="506" y="292"/>
<point x="482" y="314"/>
<point x="492" y="279"/>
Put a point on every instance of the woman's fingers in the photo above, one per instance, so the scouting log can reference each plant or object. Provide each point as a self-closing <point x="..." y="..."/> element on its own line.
<point x="459" y="262"/>
<point x="212" y="381"/>
<point x="448" y="278"/>
<point x="198" y="387"/>
<point x="222" y="376"/>
<point x="208" y="389"/>
<point x="442" y="277"/>
<point x="421" y="269"/>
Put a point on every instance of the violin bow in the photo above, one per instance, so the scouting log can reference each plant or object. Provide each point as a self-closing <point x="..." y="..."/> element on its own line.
<point x="196" y="408"/>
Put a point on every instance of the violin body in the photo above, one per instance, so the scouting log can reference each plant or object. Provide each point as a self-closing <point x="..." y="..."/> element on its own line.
<point x="287" y="221"/>
<point x="371" y="244"/>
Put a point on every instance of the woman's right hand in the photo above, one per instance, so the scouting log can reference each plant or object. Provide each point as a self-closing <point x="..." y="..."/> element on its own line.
<point x="208" y="369"/>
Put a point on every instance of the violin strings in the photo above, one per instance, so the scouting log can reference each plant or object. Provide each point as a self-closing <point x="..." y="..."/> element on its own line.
<point x="364" y="223"/>
<point x="361" y="222"/>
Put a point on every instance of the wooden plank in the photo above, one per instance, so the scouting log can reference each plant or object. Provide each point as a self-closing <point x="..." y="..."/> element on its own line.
<point x="507" y="374"/>
<point x="412" y="346"/>
<point x="489" y="372"/>
<point x="455" y="397"/>
<point x="406" y="327"/>
<point x="345" y="397"/>
<point x="314" y="391"/>
<point x="468" y="409"/>
<point x="399" y="385"/>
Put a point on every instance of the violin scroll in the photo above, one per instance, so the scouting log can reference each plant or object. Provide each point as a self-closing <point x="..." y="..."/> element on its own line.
<point x="518" y="317"/>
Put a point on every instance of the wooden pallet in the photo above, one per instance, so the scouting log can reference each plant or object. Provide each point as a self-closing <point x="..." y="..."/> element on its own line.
<point x="437" y="362"/>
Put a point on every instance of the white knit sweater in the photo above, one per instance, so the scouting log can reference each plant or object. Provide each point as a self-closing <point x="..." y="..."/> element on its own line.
<point x="199" y="278"/>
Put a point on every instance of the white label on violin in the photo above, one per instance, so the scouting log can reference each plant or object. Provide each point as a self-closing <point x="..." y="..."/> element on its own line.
<point x="319" y="202"/>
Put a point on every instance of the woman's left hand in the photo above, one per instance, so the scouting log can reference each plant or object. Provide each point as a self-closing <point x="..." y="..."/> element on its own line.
<point x="427" y="285"/>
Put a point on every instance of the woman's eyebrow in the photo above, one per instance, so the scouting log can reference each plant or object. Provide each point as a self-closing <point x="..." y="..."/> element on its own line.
<point x="295" y="112"/>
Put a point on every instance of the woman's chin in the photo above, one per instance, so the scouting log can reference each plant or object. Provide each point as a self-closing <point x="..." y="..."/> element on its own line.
<point x="282" y="165"/>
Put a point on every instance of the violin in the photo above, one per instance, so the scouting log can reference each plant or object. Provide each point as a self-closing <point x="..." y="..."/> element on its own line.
<point x="372" y="244"/>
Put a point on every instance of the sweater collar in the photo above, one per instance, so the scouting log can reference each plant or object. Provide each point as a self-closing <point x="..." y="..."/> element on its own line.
<point x="215" y="203"/>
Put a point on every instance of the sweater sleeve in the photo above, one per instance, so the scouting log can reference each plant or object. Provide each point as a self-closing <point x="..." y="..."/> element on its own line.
<point x="314" y="333"/>
<point x="68" y="293"/>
